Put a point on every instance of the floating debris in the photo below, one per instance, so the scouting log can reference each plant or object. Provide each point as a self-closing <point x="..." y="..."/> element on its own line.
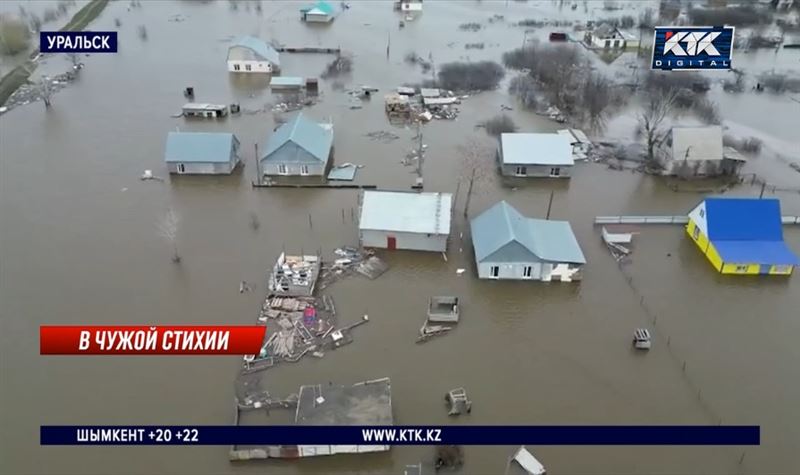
<point x="641" y="339"/>
<point x="443" y="309"/>
<point x="459" y="403"/>
<point x="382" y="136"/>
<point x="528" y="462"/>
<point x="615" y="243"/>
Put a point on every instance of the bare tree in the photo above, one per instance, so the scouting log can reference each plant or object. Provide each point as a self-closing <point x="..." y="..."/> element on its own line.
<point x="475" y="165"/>
<point x="168" y="229"/>
<point x="597" y="95"/>
<point x="651" y="119"/>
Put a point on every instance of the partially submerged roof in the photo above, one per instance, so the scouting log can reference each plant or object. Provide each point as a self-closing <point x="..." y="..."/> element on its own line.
<point x="365" y="403"/>
<point x="319" y="8"/>
<point x="306" y="134"/>
<point x="748" y="231"/>
<point x="259" y="47"/>
<point x="287" y="81"/>
<point x="536" y="149"/>
<point x="503" y="228"/>
<point x="199" y="147"/>
<point x="410" y="212"/>
<point x="697" y="143"/>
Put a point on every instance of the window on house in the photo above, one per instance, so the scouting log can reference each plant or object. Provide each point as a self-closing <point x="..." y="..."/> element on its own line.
<point x="696" y="233"/>
<point x="521" y="171"/>
<point x="555" y="171"/>
<point x="304" y="169"/>
<point x="702" y="213"/>
<point x="494" y="271"/>
<point x="181" y="168"/>
<point x="248" y="67"/>
<point x="236" y="67"/>
<point x="741" y="268"/>
<point x="282" y="169"/>
<point x="526" y="272"/>
<point x="781" y="269"/>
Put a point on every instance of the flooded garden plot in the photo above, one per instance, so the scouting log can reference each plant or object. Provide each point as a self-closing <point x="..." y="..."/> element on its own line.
<point x="83" y="227"/>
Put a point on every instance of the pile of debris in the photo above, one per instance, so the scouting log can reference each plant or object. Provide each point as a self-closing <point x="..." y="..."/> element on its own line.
<point x="351" y="260"/>
<point x="294" y="275"/>
<point x="32" y="92"/>
<point x="443" y="314"/>
<point x="617" y="243"/>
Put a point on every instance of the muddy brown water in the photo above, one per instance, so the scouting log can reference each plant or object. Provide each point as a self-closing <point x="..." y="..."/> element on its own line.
<point x="78" y="245"/>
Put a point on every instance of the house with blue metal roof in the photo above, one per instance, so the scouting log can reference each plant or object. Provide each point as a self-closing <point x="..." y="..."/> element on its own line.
<point x="320" y="12"/>
<point x="509" y="245"/>
<point x="742" y="236"/>
<point x="300" y="147"/>
<point x="201" y="153"/>
<point x="249" y="54"/>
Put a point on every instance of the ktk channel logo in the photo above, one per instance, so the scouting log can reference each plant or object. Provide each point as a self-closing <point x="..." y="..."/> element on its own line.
<point x="691" y="48"/>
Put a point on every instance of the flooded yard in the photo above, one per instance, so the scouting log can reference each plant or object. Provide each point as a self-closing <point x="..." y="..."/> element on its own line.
<point x="79" y="245"/>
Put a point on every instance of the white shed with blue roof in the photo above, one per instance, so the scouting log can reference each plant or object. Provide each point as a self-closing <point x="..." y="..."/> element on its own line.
<point x="201" y="153"/>
<point x="300" y="147"/>
<point x="509" y="245"/>
<point x="249" y="54"/>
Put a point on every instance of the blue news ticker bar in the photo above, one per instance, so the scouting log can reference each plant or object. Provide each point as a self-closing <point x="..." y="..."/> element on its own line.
<point x="403" y="435"/>
<point x="78" y="41"/>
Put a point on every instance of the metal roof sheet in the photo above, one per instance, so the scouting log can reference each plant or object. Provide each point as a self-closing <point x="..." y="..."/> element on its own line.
<point x="502" y="225"/>
<point x="411" y="212"/>
<point x="287" y="81"/>
<point x="343" y="173"/>
<point x="259" y="47"/>
<point x="306" y="134"/>
<point x="536" y="149"/>
<point x="741" y="219"/>
<point x="319" y="8"/>
<point x="697" y="143"/>
<point x="199" y="147"/>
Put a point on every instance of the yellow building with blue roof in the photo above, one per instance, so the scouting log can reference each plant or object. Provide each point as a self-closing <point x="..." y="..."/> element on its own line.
<point x="742" y="236"/>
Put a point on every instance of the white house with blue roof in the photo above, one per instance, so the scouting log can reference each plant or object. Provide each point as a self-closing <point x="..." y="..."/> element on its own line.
<point x="509" y="245"/>
<point x="201" y="153"/>
<point x="300" y="147"/>
<point x="249" y="54"/>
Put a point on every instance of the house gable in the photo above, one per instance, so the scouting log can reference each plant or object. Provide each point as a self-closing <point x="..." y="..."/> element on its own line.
<point x="290" y="152"/>
<point x="512" y="251"/>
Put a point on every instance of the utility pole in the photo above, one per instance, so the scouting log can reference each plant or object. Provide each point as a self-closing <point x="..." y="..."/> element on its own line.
<point x="469" y="192"/>
<point x="763" y="186"/>
<point x="549" y="205"/>
<point x="258" y="167"/>
<point x="420" y="154"/>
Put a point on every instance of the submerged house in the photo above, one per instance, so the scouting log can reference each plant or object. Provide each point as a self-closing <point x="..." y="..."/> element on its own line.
<point x="405" y="220"/>
<point x="696" y="152"/>
<point x="742" y="236"/>
<point x="509" y="245"/>
<point x="300" y="147"/>
<point x="201" y="153"/>
<point x="608" y="37"/>
<point x="320" y="12"/>
<point x="249" y="54"/>
<point x="535" y="155"/>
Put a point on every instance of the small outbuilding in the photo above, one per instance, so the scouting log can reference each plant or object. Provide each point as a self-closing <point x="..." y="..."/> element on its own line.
<point x="300" y="147"/>
<point x="287" y="83"/>
<point x="249" y="54"/>
<point x="535" y="155"/>
<point x="201" y="153"/>
<point x="509" y="245"/>
<point x="607" y="37"/>
<point x="405" y="220"/>
<point x="198" y="109"/>
<point x="742" y="236"/>
<point x="320" y="12"/>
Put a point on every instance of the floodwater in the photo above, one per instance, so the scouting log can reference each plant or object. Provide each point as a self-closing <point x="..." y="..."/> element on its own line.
<point x="78" y="245"/>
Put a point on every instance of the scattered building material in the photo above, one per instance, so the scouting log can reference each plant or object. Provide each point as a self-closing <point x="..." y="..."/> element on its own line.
<point x="443" y="309"/>
<point x="429" y="331"/>
<point x="616" y="243"/>
<point x="397" y="104"/>
<point x="458" y="401"/>
<point x="581" y="145"/>
<point x="373" y="267"/>
<point x="641" y="339"/>
<point x="383" y="136"/>
<point x="527" y="461"/>
<point x="197" y="109"/>
<point x="294" y="275"/>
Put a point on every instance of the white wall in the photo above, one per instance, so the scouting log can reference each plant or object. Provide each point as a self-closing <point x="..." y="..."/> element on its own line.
<point x="255" y="66"/>
<point x="292" y="169"/>
<point x="540" y="271"/>
<point x="412" y="241"/>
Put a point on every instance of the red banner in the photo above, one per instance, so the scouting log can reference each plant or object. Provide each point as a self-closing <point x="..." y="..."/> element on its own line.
<point x="152" y="340"/>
